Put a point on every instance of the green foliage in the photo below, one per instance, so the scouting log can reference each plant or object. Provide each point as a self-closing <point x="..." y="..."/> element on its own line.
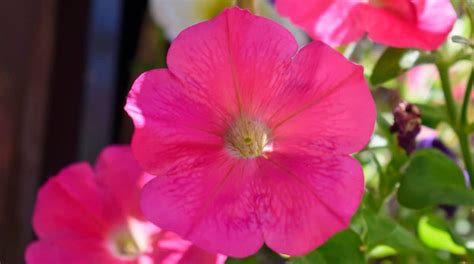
<point x="388" y="66"/>
<point x="396" y="61"/>
<point x="344" y="247"/>
<point x="385" y="231"/>
<point x="249" y="260"/>
<point x="432" y="178"/>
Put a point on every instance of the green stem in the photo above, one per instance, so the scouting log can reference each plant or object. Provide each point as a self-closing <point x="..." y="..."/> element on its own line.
<point x="463" y="129"/>
<point x="466" y="152"/>
<point x="443" y="70"/>
<point x="459" y="127"/>
<point x="467" y="99"/>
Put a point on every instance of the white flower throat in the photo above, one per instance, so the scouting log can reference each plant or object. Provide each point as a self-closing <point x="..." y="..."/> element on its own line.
<point x="248" y="138"/>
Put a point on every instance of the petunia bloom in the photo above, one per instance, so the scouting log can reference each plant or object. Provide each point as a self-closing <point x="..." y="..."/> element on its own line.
<point x="250" y="139"/>
<point x="92" y="215"/>
<point x="422" y="24"/>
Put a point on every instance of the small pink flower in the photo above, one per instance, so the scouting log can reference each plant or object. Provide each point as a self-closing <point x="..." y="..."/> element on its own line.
<point x="251" y="138"/>
<point x="420" y="80"/>
<point x="86" y="215"/>
<point x="422" y="24"/>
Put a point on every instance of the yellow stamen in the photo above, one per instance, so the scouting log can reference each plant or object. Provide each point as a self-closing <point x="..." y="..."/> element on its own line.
<point x="248" y="138"/>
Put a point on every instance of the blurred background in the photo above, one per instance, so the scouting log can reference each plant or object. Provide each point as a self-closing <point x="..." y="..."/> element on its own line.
<point x="65" y="69"/>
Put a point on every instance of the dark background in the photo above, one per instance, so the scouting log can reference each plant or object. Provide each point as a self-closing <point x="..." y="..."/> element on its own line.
<point x="65" y="69"/>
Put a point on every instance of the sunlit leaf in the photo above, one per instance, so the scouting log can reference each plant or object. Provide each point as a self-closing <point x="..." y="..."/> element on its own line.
<point x="432" y="178"/>
<point x="434" y="233"/>
<point x="382" y="251"/>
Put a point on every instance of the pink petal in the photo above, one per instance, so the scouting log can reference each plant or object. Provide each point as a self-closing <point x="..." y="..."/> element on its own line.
<point x="206" y="200"/>
<point x="305" y="200"/>
<point x="171" y="249"/>
<point x="326" y="106"/>
<point x="234" y="55"/>
<point x="434" y="21"/>
<point x="197" y="255"/>
<point x="120" y="174"/>
<point x="293" y="202"/>
<point x="71" y="251"/>
<point x="443" y="12"/>
<point x="71" y="203"/>
<point x="232" y="61"/>
<point x="170" y="123"/>
<point x="422" y="24"/>
<point x="334" y="22"/>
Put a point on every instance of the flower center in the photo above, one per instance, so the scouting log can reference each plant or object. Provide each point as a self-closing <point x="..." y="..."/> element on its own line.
<point x="248" y="138"/>
<point x="124" y="245"/>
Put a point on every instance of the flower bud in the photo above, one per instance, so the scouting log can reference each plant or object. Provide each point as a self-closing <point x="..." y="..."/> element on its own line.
<point x="407" y="123"/>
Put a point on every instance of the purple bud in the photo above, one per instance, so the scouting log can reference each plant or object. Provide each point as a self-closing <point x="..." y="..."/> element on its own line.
<point x="407" y="124"/>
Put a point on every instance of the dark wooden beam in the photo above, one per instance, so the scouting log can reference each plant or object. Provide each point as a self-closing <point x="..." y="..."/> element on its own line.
<point x="25" y="70"/>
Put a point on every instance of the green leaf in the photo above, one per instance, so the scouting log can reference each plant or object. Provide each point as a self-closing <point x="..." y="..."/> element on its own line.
<point x="434" y="233"/>
<point x="432" y="178"/>
<point x="387" y="232"/>
<point x="432" y="115"/>
<point x="382" y="251"/>
<point x="395" y="61"/>
<point x="313" y="257"/>
<point x="344" y="247"/>
<point x="388" y="66"/>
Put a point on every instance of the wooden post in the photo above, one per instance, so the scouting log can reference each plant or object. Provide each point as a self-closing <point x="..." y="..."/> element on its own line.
<point x="27" y="30"/>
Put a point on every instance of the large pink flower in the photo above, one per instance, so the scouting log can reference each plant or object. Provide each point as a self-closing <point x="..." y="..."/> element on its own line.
<point x="422" y="24"/>
<point x="86" y="215"/>
<point x="249" y="138"/>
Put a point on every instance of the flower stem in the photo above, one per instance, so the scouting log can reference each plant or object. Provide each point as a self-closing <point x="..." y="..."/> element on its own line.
<point x="467" y="99"/>
<point x="463" y="129"/>
<point x="448" y="96"/>
<point x="459" y="127"/>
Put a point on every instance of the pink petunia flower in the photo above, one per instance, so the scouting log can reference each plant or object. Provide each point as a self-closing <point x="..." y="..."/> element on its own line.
<point x="250" y="138"/>
<point x="422" y="24"/>
<point x="86" y="215"/>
